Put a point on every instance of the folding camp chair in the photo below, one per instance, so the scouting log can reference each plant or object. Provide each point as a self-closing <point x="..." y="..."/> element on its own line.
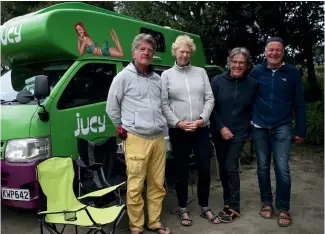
<point x="55" y="177"/>
<point x="111" y="171"/>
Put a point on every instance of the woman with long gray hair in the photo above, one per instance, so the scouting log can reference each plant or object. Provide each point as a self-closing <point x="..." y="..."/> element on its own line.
<point x="233" y="91"/>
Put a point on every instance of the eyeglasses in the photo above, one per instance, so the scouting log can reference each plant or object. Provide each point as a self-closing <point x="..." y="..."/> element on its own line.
<point x="143" y="49"/>
<point x="240" y="63"/>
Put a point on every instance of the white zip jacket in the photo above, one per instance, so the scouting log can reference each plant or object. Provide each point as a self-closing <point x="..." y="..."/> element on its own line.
<point x="186" y="95"/>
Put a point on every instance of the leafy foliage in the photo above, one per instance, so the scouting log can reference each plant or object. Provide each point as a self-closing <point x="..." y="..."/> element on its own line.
<point x="225" y="25"/>
<point x="315" y="121"/>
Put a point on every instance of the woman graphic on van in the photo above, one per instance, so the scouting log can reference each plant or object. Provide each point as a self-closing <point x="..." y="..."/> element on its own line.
<point x="87" y="45"/>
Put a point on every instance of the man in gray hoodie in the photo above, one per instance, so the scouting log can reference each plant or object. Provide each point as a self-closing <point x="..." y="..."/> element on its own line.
<point x="134" y="106"/>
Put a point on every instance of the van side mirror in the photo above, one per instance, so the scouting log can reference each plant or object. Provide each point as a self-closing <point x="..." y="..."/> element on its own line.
<point x="42" y="87"/>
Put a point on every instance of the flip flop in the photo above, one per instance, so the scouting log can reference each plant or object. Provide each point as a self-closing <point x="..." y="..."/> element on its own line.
<point x="156" y="230"/>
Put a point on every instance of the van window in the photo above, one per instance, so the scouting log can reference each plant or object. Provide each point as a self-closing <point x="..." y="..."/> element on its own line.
<point x="23" y="77"/>
<point x="158" y="36"/>
<point x="89" y="85"/>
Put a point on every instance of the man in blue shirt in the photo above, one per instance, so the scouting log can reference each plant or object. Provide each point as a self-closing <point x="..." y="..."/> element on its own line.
<point x="280" y="97"/>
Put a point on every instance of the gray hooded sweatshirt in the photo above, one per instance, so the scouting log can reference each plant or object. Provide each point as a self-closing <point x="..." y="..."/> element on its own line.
<point x="187" y="95"/>
<point x="134" y="101"/>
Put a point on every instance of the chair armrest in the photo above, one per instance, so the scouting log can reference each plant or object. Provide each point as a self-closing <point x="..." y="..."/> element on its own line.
<point x="92" y="167"/>
<point x="102" y="192"/>
<point x="61" y="211"/>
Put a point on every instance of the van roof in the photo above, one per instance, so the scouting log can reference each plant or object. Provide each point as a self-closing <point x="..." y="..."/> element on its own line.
<point x="51" y="34"/>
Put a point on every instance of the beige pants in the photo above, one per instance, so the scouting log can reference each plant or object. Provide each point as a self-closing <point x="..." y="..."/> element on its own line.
<point x="145" y="160"/>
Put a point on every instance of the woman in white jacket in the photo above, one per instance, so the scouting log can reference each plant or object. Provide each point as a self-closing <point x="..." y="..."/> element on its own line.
<point x="187" y="102"/>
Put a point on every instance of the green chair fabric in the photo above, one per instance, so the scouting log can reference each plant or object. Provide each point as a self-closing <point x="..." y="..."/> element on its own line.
<point x="55" y="176"/>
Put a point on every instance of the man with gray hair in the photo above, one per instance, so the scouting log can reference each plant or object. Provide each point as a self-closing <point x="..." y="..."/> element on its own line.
<point x="280" y="94"/>
<point x="134" y="106"/>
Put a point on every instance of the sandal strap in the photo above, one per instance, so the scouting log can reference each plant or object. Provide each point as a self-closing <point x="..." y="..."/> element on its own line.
<point x="266" y="207"/>
<point x="230" y="215"/>
<point x="232" y="212"/>
<point x="214" y="215"/>
<point x="183" y="211"/>
<point x="181" y="215"/>
<point x="284" y="215"/>
<point x="204" y="211"/>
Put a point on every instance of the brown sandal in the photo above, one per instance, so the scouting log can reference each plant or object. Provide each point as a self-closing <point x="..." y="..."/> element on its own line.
<point x="266" y="208"/>
<point x="284" y="215"/>
<point x="230" y="216"/>
<point x="224" y="211"/>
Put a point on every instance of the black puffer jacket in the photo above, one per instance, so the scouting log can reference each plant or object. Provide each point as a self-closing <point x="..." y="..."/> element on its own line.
<point x="233" y="104"/>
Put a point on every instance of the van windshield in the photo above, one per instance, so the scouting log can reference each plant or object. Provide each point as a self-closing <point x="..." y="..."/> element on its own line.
<point x="23" y="77"/>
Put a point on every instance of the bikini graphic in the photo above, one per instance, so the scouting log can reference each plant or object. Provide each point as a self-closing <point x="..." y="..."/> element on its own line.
<point x="87" y="45"/>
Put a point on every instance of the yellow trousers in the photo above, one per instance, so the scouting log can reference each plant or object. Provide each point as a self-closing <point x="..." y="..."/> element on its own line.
<point x="145" y="160"/>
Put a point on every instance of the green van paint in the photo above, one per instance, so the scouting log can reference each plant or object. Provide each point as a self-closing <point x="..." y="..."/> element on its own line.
<point x="47" y="41"/>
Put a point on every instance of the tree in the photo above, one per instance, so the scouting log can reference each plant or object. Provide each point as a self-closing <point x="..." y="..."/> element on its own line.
<point x="225" y="25"/>
<point x="301" y="26"/>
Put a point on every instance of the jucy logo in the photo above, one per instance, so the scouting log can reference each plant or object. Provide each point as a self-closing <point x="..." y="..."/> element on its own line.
<point x="83" y="127"/>
<point x="11" y="35"/>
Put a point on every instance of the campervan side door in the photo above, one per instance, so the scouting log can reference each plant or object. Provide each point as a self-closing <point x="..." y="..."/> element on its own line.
<point x="79" y="108"/>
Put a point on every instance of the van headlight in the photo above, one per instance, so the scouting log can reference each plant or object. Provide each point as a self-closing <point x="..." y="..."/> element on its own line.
<point x="28" y="150"/>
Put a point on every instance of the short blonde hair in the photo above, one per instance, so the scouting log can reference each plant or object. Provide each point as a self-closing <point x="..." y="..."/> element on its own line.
<point x="183" y="39"/>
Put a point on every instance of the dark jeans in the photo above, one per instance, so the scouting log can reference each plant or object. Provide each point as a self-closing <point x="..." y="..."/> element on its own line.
<point x="182" y="143"/>
<point x="228" y="153"/>
<point x="276" y="141"/>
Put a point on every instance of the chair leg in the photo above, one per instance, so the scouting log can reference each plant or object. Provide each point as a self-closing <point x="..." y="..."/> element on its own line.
<point x="51" y="229"/>
<point x="117" y="221"/>
<point x="90" y="231"/>
<point x="76" y="229"/>
<point x="192" y="188"/>
<point x="217" y="165"/>
<point x="41" y="227"/>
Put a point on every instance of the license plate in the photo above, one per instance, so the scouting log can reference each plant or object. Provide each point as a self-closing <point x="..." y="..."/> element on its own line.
<point x="15" y="194"/>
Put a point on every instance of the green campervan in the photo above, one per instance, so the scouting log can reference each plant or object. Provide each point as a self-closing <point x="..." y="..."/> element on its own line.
<point x="62" y="60"/>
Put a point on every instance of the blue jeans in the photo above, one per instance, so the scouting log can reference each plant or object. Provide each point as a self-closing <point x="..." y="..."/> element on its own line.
<point x="276" y="142"/>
